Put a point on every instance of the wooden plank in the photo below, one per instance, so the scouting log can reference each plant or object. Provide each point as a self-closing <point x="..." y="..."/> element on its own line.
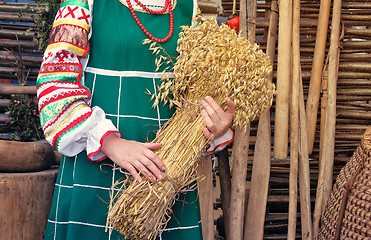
<point x="254" y="223"/>
<point x="205" y="190"/>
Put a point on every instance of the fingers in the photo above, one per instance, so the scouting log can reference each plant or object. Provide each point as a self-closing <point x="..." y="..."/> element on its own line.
<point x="143" y="169"/>
<point x="210" y="126"/>
<point x="212" y="108"/>
<point x="137" y="158"/>
<point x="153" y="146"/>
<point x="208" y="134"/>
<point x="132" y="171"/>
<point x="152" y="156"/>
<point x="231" y="107"/>
<point x="216" y="119"/>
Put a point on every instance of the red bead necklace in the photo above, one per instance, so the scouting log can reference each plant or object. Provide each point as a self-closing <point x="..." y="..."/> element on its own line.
<point x="167" y="6"/>
<point x="152" y="11"/>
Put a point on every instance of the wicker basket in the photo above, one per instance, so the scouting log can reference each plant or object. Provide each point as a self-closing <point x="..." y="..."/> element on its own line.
<point x="348" y="210"/>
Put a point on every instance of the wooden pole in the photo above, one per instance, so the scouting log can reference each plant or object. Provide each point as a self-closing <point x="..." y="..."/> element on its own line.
<point x="304" y="173"/>
<point x="254" y="223"/>
<point x="240" y="153"/>
<point x="225" y="186"/>
<point x="294" y="122"/>
<point x="205" y="190"/>
<point x="317" y="213"/>
<point x="334" y="54"/>
<point x="315" y="80"/>
<point x="7" y="89"/>
<point x="283" y="80"/>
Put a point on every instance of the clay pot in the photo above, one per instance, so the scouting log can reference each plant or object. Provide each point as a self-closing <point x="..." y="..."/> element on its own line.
<point x="26" y="156"/>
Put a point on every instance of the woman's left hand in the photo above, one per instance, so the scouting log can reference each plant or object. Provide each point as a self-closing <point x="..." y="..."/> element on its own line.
<point x="216" y="119"/>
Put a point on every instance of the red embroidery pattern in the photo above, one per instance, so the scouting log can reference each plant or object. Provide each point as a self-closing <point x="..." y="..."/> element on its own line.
<point x="84" y="16"/>
<point x="60" y="67"/>
<point x="67" y="93"/>
<point x="62" y="55"/>
<point x="70" y="126"/>
<point x="73" y="13"/>
<point x="60" y="12"/>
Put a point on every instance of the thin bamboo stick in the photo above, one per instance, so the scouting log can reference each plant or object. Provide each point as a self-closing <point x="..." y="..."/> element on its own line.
<point x="334" y="53"/>
<point x="239" y="156"/>
<point x="321" y="175"/>
<point x="355" y="67"/>
<point x="17" y="18"/>
<point x="304" y="173"/>
<point x="353" y="114"/>
<point x="14" y="34"/>
<point x="254" y="223"/>
<point x="355" y="106"/>
<point x="294" y="122"/>
<point x="283" y="80"/>
<point x="315" y="80"/>
<point x="353" y="32"/>
<point x="19" y="43"/>
<point x="21" y="7"/>
<point x="6" y="89"/>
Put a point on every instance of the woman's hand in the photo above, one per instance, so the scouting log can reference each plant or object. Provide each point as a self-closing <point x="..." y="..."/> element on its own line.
<point x="134" y="156"/>
<point x="216" y="119"/>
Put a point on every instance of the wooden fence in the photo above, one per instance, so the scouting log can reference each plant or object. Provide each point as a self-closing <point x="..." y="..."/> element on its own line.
<point x="353" y="86"/>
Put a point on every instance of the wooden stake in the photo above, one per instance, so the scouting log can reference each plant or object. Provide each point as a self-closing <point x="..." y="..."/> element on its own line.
<point x="334" y="54"/>
<point x="294" y="122"/>
<point x="238" y="183"/>
<point x="205" y="190"/>
<point x="317" y="213"/>
<point x="283" y="80"/>
<point x="254" y="223"/>
<point x="225" y="186"/>
<point x="304" y="173"/>
<point x="240" y="153"/>
<point x="315" y="80"/>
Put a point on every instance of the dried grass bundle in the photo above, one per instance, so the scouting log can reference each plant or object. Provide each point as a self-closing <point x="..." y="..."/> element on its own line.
<point x="213" y="61"/>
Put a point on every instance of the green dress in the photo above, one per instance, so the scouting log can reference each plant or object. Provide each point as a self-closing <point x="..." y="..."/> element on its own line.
<point x="118" y="72"/>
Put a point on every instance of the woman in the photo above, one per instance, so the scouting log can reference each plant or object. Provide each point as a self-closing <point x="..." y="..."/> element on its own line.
<point x="95" y="58"/>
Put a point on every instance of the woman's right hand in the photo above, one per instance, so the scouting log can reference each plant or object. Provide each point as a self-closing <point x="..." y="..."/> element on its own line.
<point x="134" y="156"/>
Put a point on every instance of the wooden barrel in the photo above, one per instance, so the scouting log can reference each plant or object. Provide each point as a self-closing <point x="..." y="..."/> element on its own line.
<point x="25" y="201"/>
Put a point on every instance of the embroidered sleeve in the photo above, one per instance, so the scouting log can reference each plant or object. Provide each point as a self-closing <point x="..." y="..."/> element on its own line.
<point x="69" y="123"/>
<point x="220" y="143"/>
<point x="197" y="15"/>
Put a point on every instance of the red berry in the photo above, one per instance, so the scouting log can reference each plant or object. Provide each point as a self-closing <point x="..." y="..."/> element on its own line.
<point x="234" y="23"/>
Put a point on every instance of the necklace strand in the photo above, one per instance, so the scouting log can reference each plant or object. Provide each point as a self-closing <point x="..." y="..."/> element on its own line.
<point x="153" y="11"/>
<point x="167" y="5"/>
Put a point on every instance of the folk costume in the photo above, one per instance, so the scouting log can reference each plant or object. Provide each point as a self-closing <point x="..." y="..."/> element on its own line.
<point x="93" y="82"/>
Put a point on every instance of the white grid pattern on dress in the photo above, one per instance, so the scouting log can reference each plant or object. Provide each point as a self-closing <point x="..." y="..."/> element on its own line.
<point x="56" y="208"/>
